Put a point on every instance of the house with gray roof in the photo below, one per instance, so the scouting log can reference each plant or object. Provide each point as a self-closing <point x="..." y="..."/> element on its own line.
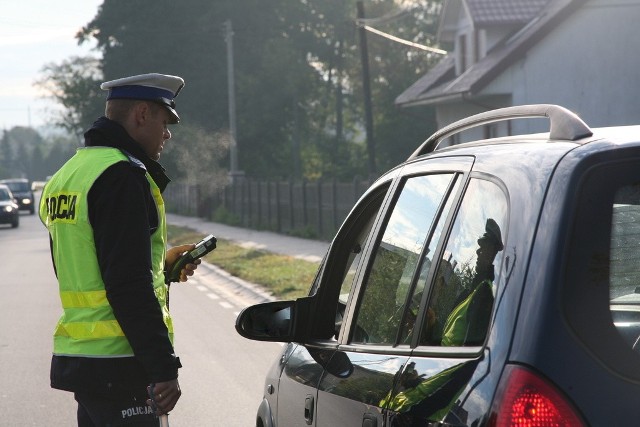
<point x="581" y="54"/>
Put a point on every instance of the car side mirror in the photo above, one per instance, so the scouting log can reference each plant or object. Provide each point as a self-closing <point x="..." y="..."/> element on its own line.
<point x="279" y="321"/>
<point x="272" y="321"/>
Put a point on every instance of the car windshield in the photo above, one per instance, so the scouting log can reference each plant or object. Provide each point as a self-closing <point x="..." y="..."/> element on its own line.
<point x="18" y="186"/>
<point x="4" y="194"/>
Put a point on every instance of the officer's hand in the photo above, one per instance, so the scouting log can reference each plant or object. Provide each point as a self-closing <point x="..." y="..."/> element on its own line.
<point x="166" y="395"/>
<point x="172" y="256"/>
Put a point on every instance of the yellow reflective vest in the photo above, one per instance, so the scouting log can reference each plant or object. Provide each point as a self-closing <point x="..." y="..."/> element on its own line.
<point x="406" y="399"/>
<point x="457" y="325"/>
<point x="88" y="326"/>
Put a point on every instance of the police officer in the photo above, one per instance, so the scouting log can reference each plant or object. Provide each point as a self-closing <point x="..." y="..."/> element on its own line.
<point x="106" y="220"/>
<point x="468" y="321"/>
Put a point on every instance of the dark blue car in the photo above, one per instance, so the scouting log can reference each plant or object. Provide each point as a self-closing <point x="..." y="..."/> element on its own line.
<point x="22" y="192"/>
<point x="491" y="283"/>
<point x="9" y="210"/>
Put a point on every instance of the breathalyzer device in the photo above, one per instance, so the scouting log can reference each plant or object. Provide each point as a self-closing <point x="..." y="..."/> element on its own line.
<point x="202" y="248"/>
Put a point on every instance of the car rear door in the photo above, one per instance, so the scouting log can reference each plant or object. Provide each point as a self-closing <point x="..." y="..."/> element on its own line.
<point x="461" y="279"/>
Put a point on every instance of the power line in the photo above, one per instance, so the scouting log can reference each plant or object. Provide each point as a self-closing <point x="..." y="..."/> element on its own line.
<point x="391" y="16"/>
<point x="399" y="40"/>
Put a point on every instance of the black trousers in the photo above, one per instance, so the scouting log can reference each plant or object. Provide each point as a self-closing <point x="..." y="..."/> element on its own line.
<point x="97" y="411"/>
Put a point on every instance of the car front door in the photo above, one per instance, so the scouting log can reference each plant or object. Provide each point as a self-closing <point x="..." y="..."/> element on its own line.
<point x="305" y="363"/>
<point x="375" y="341"/>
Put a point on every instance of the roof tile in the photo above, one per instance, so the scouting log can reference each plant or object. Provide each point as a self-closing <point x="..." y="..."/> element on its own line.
<point x="486" y="12"/>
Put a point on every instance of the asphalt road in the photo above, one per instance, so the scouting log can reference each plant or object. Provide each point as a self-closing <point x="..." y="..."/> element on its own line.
<point x="223" y="373"/>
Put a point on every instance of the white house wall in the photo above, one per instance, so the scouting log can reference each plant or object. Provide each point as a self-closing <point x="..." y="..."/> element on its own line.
<point x="590" y="64"/>
<point x="449" y="113"/>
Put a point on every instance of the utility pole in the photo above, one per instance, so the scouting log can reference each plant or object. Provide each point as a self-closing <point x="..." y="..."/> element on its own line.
<point x="234" y="173"/>
<point x="339" y="99"/>
<point x="295" y="143"/>
<point x="368" y="114"/>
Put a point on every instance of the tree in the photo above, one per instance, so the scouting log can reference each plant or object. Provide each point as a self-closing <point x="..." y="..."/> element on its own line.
<point x="75" y="85"/>
<point x="61" y="149"/>
<point x="22" y="161"/>
<point x="37" y="164"/>
<point x="24" y="153"/>
<point x="195" y="156"/>
<point x="328" y="34"/>
<point x="393" y="68"/>
<point x="6" y="155"/>
<point x="297" y="73"/>
<point x="16" y="148"/>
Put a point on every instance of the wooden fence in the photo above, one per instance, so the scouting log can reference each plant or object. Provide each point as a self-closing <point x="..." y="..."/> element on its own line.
<point x="307" y="209"/>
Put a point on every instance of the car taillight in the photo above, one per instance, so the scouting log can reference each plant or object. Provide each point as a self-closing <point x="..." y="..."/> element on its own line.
<point x="526" y="400"/>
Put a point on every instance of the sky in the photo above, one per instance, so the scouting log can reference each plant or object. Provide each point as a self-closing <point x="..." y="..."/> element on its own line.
<point x="34" y="33"/>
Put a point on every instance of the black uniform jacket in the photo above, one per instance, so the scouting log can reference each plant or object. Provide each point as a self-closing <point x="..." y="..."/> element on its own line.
<point x="123" y="215"/>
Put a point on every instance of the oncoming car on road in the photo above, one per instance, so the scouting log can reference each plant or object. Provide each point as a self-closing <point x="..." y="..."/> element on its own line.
<point x="490" y="283"/>
<point x="21" y="190"/>
<point x="9" y="211"/>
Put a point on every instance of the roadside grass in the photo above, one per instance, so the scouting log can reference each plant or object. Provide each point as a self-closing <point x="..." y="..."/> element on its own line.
<point x="284" y="276"/>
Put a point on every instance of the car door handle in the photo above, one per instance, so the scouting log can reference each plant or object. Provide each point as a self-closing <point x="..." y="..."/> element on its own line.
<point x="308" y="409"/>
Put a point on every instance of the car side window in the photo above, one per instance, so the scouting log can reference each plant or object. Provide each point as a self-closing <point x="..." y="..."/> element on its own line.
<point x="350" y="273"/>
<point x="338" y="272"/>
<point x="396" y="259"/>
<point x="600" y="296"/>
<point x="624" y="268"/>
<point x="462" y="295"/>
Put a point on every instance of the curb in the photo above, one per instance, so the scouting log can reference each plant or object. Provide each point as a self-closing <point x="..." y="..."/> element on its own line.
<point x="234" y="287"/>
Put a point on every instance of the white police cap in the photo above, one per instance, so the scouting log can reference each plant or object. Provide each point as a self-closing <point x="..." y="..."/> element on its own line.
<point x="160" y="88"/>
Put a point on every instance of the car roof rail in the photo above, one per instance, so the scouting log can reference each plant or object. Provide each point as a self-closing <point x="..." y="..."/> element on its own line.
<point x="564" y="124"/>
